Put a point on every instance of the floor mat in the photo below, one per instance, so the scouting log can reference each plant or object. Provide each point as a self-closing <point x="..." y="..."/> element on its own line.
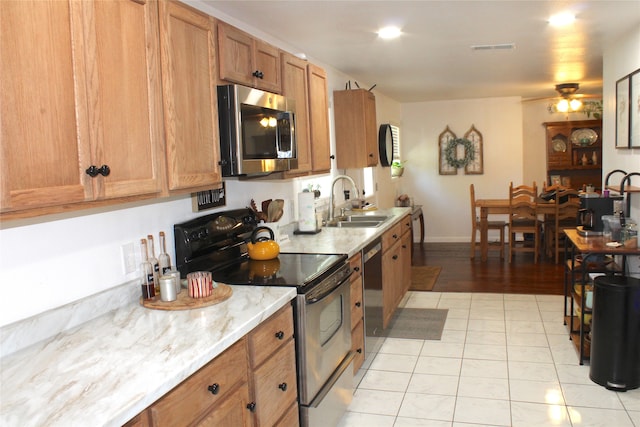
<point x="424" y="277"/>
<point x="411" y="323"/>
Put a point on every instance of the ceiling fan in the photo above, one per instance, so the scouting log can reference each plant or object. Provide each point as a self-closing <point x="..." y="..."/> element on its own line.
<point x="570" y="101"/>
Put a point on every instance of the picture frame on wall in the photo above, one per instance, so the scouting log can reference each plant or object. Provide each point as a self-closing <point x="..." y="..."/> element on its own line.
<point x="444" y="138"/>
<point x="622" y="112"/>
<point x="634" y="109"/>
<point x="555" y="180"/>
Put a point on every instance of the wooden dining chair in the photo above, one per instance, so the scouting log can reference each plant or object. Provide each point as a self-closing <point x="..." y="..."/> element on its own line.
<point x="567" y="204"/>
<point x="491" y="225"/>
<point x="523" y="218"/>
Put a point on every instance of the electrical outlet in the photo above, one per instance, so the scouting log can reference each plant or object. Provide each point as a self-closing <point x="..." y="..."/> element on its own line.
<point x="128" y="258"/>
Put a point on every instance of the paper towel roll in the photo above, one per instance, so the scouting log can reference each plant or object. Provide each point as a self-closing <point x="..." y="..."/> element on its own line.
<point x="306" y="211"/>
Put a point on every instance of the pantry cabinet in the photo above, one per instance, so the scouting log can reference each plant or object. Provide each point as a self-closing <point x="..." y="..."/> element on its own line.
<point x="187" y="39"/>
<point x="252" y="383"/>
<point x="80" y="107"/>
<point x="574" y="152"/>
<point x="356" y="132"/>
<point x="248" y="61"/>
<point x="357" y="312"/>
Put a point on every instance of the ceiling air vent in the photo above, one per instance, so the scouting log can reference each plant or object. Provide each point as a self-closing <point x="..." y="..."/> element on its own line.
<point x="501" y="46"/>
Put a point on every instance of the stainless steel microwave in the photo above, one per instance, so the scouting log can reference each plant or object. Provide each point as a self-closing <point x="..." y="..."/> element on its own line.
<point x="257" y="131"/>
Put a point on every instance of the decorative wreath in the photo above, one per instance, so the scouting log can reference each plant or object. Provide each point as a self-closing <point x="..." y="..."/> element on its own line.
<point x="451" y="152"/>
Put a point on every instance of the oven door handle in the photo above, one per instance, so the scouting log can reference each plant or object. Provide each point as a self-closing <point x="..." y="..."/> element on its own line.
<point x="313" y="298"/>
<point x="344" y="365"/>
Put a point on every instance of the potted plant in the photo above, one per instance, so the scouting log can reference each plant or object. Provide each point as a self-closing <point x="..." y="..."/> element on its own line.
<point x="397" y="168"/>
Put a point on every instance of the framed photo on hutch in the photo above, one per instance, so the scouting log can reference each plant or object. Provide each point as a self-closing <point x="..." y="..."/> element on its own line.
<point x="634" y="109"/>
<point x="622" y="112"/>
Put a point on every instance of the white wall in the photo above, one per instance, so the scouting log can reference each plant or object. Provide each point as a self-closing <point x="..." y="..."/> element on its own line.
<point x="445" y="198"/>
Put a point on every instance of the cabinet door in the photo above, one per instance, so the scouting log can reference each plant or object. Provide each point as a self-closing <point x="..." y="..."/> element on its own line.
<point x="294" y="86"/>
<point x="275" y="385"/>
<point x="357" y="346"/>
<point x="232" y="411"/>
<point x="391" y="282"/>
<point x="235" y="54"/>
<point x="356" y="133"/>
<point x="44" y="139"/>
<point x="405" y="244"/>
<point x="266" y="62"/>
<point x="190" y="99"/>
<point x="193" y="398"/>
<point x="124" y="96"/>
<point x="319" y="119"/>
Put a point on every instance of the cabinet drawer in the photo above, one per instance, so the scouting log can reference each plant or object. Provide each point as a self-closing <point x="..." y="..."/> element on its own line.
<point x="357" y="306"/>
<point x="357" y="345"/>
<point x="355" y="262"/>
<point x="276" y="385"/>
<point x="405" y="224"/>
<point x="391" y="236"/>
<point x="189" y="400"/>
<point x="270" y="335"/>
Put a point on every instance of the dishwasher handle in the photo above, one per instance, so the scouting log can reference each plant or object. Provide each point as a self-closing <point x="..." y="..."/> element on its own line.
<point x="371" y="251"/>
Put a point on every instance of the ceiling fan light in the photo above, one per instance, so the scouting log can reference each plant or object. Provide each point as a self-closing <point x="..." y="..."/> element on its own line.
<point x="389" y="32"/>
<point x="575" y="104"/>
<point x="562" y="106"/>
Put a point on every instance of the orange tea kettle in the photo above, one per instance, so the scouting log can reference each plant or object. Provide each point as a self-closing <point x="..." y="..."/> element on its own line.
<point x="262" y="248"/>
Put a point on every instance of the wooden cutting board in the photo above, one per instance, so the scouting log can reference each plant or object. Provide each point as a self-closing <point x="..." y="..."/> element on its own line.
<point x="185" y="302"/>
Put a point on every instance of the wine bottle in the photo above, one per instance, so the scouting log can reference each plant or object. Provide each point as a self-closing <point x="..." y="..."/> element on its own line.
<point x="148" y="285"/>
<point x="154" y="262"/>
<point x="163" y="257"/>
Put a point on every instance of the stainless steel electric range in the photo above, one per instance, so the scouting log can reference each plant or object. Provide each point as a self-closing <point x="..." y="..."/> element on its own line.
<point x="218" y="243"/>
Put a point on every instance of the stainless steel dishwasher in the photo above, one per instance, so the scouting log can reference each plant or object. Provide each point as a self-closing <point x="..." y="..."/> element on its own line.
<point x="372" y="276"/>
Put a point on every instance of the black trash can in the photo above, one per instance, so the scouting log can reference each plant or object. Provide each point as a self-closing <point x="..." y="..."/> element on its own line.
<point x="615" y="333"/>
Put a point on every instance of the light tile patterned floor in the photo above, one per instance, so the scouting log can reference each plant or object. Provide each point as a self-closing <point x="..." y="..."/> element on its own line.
<point x="504" y="360"/>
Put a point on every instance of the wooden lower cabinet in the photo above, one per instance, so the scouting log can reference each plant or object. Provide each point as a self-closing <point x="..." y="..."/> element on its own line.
<point x="396" y="267"/>
<point x="357" y="312"/>
<point x="252" y="383"/>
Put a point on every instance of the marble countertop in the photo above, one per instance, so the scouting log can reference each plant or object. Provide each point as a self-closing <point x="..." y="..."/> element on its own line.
<point x="105" y="371"/>
<point x="342" y="240"/>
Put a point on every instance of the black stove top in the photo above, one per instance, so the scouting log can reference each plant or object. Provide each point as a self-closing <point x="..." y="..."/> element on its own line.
<point x="218" y="243"/>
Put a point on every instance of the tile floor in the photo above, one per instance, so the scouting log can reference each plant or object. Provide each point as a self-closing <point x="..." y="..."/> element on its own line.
<point x="504" y="360"/>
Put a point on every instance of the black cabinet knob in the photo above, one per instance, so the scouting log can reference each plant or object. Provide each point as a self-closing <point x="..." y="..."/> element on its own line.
<point x="251" y="406"/>
<point x="332" y="157"/>
<point x="94" y="171"/>
<point x="259" y="74"/>
<point x="356" y="268"/>
<point x="359" y="350"/>
<point x="214" y="388"/>
<point x="280" y="335"/>
<point x="358" y="304"/>
<point x="283" y="386"/>
<point x="395" y="236"/>
<point x="395" y="257"/>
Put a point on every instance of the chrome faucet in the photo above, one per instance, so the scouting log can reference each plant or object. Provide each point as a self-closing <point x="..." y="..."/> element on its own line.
<point x="333" y="184"/>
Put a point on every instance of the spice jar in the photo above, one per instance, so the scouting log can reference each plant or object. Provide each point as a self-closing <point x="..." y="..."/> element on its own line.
<point x="167" y="288"/>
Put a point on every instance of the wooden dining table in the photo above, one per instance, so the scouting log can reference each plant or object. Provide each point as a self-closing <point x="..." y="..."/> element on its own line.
<point x="501" y="206"/>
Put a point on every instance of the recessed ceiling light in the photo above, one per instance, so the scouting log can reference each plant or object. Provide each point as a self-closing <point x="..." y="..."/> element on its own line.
<point x="389" y="32"/>
<point x="562" y="19"/>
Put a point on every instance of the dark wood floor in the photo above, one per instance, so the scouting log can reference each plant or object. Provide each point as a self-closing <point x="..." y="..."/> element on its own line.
<point x="462" y="274"/>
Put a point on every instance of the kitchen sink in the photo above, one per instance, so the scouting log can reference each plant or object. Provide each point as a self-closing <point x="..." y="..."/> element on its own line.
<point x="357" y="221"/>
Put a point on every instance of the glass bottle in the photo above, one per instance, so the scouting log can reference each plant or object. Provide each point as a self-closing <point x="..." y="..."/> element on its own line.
<point x="164" y="260"/>
<point x="154" y="262"/>
<point x="148" y="285"/>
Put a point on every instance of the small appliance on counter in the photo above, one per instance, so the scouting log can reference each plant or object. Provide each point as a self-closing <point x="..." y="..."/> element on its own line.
<point x="592" y="209"/>
<point x="307" y="220"/>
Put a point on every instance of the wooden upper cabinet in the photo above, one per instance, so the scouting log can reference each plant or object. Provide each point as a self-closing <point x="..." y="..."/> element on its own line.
<point x="189" y="68"/>
<point x="85" y="95"/>
<point x="294" y="86"/>
<point x="356" y="133"/>
<point x="248" y="61"/>
<point x="319" y="119"/>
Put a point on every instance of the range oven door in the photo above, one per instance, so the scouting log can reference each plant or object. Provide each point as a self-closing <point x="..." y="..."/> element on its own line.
<point x="323" y="339"/>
